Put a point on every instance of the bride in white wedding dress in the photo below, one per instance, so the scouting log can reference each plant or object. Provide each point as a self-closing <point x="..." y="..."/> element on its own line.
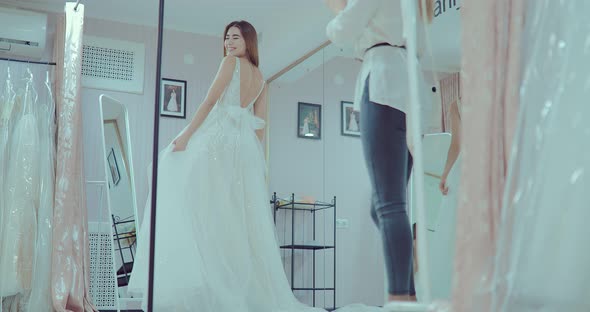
<point x="172" y="104"/>
<point x="216" y="248"/>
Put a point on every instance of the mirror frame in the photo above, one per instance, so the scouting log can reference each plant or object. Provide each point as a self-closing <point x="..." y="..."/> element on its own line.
<point x="154" y="182"/>
<point x="126" y="151"/>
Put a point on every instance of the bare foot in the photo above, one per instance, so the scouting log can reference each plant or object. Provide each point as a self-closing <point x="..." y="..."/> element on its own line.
<point x="400" y="298"/>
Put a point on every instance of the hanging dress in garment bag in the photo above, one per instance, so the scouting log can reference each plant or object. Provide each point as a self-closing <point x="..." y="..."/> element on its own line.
<point x="40" y="299"/>
<point x="6" y="105"/>
<point x="21" y="192"/>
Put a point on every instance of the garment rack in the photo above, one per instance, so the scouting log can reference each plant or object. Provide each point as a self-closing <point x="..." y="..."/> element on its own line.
<point x="25" y="61"/>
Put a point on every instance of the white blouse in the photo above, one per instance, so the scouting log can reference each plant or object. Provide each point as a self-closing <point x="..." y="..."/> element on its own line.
<point x="362" y="24"/>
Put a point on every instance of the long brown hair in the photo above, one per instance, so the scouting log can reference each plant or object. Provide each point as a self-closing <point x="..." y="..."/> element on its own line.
<point x="250" y="37"/>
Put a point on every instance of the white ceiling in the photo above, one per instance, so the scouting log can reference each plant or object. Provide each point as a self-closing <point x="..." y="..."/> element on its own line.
<point x="288" y="29"/>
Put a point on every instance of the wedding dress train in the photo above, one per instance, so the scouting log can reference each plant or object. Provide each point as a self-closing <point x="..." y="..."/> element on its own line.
<point x="216" y="248"/>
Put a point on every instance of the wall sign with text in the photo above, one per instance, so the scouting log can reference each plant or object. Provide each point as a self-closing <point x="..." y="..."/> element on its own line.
<point x="444" y="34"/>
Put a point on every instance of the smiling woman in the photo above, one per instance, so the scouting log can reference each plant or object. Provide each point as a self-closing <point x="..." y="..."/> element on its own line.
<point x="241" y="39"/>
<point x="216" y="165"/>
<point x="210" y="237"/>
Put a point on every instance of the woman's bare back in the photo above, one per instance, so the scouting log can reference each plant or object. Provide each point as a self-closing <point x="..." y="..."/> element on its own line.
<point x="250" y="82"/>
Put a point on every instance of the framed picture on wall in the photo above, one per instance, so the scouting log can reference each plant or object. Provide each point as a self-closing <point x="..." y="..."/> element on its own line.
<point x="173" y="98"/>
<point x="114" y="167"/>
<point x="309" y="121"/>
<point x="350" y="120"/>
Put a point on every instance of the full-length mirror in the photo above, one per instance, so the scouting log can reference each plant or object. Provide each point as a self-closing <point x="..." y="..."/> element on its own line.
<point x="268" y="195"/>
<point x="121" y="197"/>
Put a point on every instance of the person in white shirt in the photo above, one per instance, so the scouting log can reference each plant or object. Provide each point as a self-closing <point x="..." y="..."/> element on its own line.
<point x="374" y="29"/>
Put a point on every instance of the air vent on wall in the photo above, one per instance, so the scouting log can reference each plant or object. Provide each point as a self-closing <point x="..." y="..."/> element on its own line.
<point x="114" y="65"/>
<point x="103" y="287"/>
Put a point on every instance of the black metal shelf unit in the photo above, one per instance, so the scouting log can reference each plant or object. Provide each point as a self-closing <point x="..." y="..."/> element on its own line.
<point x="293" y="206"/>
<point x="129" y="240"/>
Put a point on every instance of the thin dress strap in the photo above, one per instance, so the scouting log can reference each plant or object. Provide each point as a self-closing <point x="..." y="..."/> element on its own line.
<point x="258" y="95"/>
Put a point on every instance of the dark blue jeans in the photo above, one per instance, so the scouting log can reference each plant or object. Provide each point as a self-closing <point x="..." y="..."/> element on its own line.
<point x="383" y="134"/>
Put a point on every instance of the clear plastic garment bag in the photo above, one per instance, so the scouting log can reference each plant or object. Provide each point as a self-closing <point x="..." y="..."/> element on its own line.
<point x="27" y="153"/>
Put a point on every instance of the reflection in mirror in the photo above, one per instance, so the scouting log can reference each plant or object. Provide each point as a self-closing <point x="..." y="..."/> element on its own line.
<point x="317" y="171"/>
<point x="304" y="213"/>
<point x="207" y="170"/>
<point x="441" y="163"/>
<point x="215" y="213"/>
<point x="117" y="74"/>
<point x="439" y="217"/>
<point x="346" y="176"/>
<point x="441" y="65"/>
<point x="120" y="198"/>
<point x="200" y="181"/>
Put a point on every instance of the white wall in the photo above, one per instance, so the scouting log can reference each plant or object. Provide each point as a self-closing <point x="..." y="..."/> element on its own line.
<point x="332" y="166"/>
<point x="139" y="106"/>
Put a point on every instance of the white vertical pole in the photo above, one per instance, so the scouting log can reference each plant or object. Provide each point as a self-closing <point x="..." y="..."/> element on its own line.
<point x="409" y="14"/>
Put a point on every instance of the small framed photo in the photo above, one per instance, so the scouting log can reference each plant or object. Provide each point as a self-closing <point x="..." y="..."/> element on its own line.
<point x="309" y="121"/>
<point x="350" y="120"/>
<point x="173" y="98"/>
<point x="114" y="167"/>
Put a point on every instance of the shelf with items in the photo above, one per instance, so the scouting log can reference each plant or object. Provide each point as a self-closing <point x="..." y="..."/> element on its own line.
<point x="292" y="207"/>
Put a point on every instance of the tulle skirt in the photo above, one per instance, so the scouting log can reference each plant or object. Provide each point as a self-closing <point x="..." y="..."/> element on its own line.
<point x="216" y="248"/>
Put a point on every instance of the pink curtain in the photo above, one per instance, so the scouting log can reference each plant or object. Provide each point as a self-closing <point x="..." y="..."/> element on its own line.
<point x="490" y="77"/>
<point x="71" y="257"/>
